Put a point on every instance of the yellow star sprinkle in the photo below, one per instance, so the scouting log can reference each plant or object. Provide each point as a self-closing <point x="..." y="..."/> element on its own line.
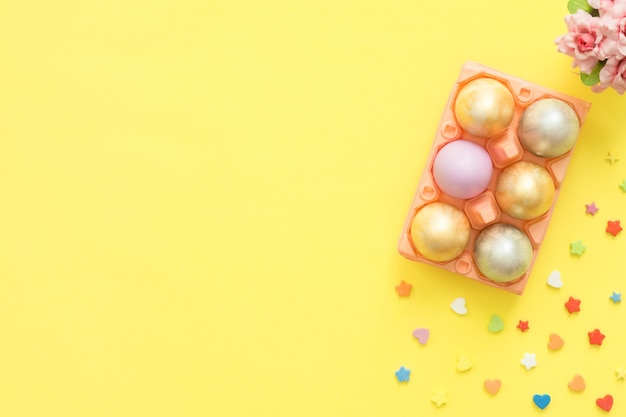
<point x="612" y="158"/>
<point x="621" y="373"/>
<point x="439" y="397"/>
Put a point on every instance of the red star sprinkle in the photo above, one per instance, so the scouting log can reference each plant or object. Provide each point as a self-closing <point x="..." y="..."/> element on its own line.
<point x="613" y="227"/>
<point x="523" y="326"/>
<point x="572" y="305"/>
<point x="404" y="289"/>
<point x="595" y="337"/>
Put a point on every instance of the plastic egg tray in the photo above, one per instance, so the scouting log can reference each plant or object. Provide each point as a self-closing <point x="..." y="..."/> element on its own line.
<point x="504" y="149"/>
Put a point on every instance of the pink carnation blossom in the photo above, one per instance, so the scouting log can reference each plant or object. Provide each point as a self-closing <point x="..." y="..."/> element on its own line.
<point x="613" y="74"/>
<point x="583" y="41"/>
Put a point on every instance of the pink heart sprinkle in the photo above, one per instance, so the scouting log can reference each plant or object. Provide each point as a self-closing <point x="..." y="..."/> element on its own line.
<point x="421" y="335"/>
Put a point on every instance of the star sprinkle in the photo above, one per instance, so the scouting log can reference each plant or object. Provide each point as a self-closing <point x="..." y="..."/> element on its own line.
<point x="403" y="374"/>
<point x="616" y="297"/>
<point x="529" y="360"/>
<point x="523" y="325"/>
<point x="572" y="305"/>
<point x="613" y="227"/>
<point x="404" y="289"/>
<point x="595" y="337"/>
<point x="439" y="397"/>
<point x="577" y="248"/>
<point x="612" y="158"/>
<point x="621" y="373"/>
<point x="623" y="186"/>
<point x="591" y="208"/>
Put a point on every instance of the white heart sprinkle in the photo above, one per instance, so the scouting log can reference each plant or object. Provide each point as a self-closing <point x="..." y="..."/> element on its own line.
<point x="458" y="306"/>
<point x="554" y="280"/>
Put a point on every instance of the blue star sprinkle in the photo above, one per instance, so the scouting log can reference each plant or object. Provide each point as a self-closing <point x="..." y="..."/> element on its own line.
<point x="403" y="374"/>
<point x="616" y="297"/>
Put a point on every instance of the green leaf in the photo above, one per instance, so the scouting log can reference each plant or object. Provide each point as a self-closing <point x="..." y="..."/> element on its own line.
<point x="593" y="77"/>
<point x="573" y="5"/>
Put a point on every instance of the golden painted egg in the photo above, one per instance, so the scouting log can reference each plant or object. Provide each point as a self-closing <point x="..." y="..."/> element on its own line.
<point x="440" y="231"/>
<point x="484" y="107"/>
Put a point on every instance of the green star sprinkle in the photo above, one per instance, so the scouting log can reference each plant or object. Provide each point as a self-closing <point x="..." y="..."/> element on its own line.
<point x="623" y="186"/>
<point x="577" y="248"/>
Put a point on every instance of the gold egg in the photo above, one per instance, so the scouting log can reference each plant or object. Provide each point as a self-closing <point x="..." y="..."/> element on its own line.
<point x="484" y="107"/>
<point x="525" y="190"/>
<point x="549" y="128"/>
<point x="440" y="231"/>
<point x="502" y="252"/>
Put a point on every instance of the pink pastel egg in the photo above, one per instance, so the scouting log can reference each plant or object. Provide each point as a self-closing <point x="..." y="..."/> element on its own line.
<point x="462" y="169"/>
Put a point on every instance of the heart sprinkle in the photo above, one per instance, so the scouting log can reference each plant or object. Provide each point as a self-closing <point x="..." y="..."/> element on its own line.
<point x="605" y="402"/>
<point x="554" y="279"/>
<point x="421" y="335"/>
<point x="495" y="324"/>
<point x="493" y="386"/>
<point x="555" y="342"/>
<point x="541" y="401"/>
<point x="458" y="306"/>
<point x="577" y="383"/>
<point x="464" y="363"/>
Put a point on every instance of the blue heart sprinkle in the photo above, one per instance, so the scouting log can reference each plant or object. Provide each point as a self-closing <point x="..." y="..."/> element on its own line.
<point x="541" y="401"/>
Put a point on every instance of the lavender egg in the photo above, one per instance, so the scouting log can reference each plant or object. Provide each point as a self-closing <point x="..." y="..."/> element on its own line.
<point x="462" y="169"/>
<point x="548" y="128"/>
<point x="502" y="252"/>
<point x="440" y="231"/>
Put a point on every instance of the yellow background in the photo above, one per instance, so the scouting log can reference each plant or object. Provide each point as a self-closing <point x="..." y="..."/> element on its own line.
<point x="201" y="202"/>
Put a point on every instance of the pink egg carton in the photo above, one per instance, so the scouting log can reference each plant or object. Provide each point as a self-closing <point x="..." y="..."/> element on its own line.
<point x="504" y="149"/>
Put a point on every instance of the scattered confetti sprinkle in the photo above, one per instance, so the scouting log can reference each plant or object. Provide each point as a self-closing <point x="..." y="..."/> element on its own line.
<point x="495" y="324"/>
<point x="605" y="403"/>
<point x="404" y="289"/>
<point x="493" y="386"/>
<point x="403" y="374"/>
<point x="529" y="360"/>
<point x="621" y="373"/>
<point x="554" y="279"/>
<point x="577" y="248"/>
<point x="555" y="342"/>
<point x="612" y="158"/>
<point x="591" y="208"/>
<point x="595" y="337"/>
<point x="523" y="325"/>
<point x="577" y="383"/>
<point x="623" y="186"/>
<point x="464" y="363"/>
<point x="613" y="227"/>
<point x="421" y="335"/>
<point x="616" y="297"/>
<point x="440" y="397"/>
<point x="458" y="306"/>
<point x="542" y="400"/>
<point x="572" y="305"/>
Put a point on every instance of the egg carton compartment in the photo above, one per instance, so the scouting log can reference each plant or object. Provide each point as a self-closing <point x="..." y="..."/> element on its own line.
<point x="489" y="210"/>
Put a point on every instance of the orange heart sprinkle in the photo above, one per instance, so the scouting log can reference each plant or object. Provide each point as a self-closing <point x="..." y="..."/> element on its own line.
<point x="555" y="342"/>
<point x="493" y="386"/>
<point x="577" y="383"/>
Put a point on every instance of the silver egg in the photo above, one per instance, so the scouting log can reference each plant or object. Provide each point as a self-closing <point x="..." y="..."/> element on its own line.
<point x="548" y="128"/>
<point x="502" y="252"/>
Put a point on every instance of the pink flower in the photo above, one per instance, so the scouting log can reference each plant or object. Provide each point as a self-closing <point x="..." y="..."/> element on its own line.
<point x="604" y="6"/>
<point x="613" y="74"/>
<point x="614" y="27"/>
<point x="583" y="40"/>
